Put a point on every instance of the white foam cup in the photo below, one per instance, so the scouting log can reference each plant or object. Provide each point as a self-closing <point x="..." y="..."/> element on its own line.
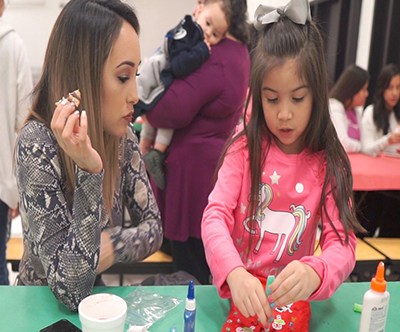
<point x="102" y="313"/>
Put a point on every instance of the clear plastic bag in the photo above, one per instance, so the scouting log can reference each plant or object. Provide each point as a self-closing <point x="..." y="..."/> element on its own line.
<point x="145" y="307"/>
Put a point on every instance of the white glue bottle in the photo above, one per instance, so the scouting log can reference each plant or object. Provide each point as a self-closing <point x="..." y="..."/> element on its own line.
<point x="375" y="304"/>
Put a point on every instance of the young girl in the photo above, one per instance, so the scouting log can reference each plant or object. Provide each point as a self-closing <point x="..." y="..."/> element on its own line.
<point x="346" y="102"/>
<point x="279" y="177"/>
<point x="380" y="122"/>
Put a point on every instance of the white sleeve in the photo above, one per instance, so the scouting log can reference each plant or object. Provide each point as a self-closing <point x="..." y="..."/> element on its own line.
<point x="341" y="123"/>
<point x="372" y="139"/>
<point x="24" y="84"/>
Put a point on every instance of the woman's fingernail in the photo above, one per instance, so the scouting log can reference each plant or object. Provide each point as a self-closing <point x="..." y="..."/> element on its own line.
<point x="272" y="304"/>
<point x="270" y="299"/>
<point x="269" y="291"/>
<point x="83" y="113"/>
<point x="76" y="112"/>
<point x="64" y="101"/>
<point x="271" y="320"/>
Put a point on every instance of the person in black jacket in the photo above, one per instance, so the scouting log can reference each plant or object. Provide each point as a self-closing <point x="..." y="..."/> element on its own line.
<point x="185" y="49"/>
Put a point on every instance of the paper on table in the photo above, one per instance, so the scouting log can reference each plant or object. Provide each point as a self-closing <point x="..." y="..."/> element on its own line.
<point x="137" y="329"/>
<point x="392" y="150"/>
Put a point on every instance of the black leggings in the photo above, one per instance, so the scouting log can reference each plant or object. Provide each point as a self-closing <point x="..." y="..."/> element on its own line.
<point x="189" y="256"/>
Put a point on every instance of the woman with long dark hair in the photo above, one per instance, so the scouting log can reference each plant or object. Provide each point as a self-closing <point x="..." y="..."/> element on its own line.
<point x="77" y="163"/>
<point x="346" y="101"/>
<point x="380" y="122"/>
<point x="380" y="131"/>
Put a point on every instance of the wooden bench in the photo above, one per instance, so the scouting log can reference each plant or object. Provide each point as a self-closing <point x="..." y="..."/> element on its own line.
<point x="390" y="248"/>
<point x="367" y="259"/>
<point x="15" y="249"/>
<point x="159" y="262"/>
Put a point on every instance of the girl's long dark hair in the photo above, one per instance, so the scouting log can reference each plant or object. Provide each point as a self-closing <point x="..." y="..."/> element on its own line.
<point x="277" y="43"/>
<point x="381" y="113"/>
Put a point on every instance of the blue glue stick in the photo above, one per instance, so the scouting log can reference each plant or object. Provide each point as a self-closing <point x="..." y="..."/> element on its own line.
<point x="190" y="309"/>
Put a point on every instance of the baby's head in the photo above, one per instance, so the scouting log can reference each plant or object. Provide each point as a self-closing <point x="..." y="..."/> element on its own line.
<point x="214" y="17"/>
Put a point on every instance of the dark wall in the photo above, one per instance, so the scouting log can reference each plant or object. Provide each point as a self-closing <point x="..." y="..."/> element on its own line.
<point x="385" y="39"/>
<point x="339" y="22"/>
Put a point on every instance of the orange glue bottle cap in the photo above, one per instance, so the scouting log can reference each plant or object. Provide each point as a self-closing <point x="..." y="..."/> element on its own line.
<point x="378" y="283"/>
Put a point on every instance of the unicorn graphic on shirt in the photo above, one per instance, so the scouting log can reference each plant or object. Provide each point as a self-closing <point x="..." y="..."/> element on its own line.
<point x="281" y="223"/>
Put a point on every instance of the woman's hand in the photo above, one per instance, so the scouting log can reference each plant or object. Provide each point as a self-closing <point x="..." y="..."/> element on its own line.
<point x="13" y="213"/>
<point x="72" y="137"/>
<point x="394" y="137"/>
<point x="296" y="282"/>
<point x="248" y="295"/>
<point x="106" y="252"/>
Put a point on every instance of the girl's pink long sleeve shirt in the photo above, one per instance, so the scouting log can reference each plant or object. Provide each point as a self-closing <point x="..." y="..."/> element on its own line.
<point x="286" y="221"/>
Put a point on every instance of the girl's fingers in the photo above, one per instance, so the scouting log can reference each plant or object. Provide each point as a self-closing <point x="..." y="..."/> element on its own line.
<point x="258" y="306"/>
<point x="296" y="282"/>
<point x="249" y="307"/>
<point x="292" y="295"/>
<point x="260" y="311"/>
<point x="283" y="284"/>
<point x="280" y="279"/>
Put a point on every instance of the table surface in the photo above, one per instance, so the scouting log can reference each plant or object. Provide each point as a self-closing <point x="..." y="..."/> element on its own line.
<point x="31" y="308"/>
<point x="374" y="173"/>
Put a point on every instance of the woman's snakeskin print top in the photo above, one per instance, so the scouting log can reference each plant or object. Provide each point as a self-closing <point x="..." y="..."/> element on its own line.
<point x="62" y="239"/>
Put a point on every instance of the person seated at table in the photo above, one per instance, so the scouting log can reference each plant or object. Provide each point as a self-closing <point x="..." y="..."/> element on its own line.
<point x="280" y="176"/>
<point x="76" y="167"/>
<point x="380" y="122"/>
<point x="346" y="101"/>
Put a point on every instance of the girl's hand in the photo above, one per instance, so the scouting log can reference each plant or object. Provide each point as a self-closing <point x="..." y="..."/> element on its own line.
<point x="73" y="138"/>
<point x="296" y="282"/>
<point x="248" y="295"/>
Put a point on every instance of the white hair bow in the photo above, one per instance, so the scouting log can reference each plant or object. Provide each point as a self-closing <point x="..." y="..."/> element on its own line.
<point x="298" y="11"/>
